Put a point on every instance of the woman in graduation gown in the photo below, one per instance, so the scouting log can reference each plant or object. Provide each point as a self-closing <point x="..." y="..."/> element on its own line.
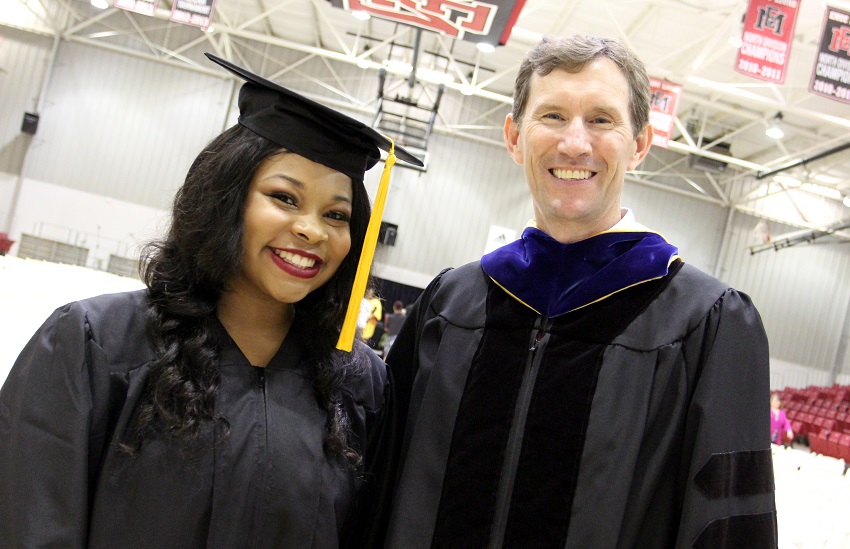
<point x="212" y="409"/>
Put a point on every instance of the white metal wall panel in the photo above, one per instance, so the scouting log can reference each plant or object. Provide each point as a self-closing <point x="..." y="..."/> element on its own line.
<point x="124" y="127"/>
<point x="23" y="57"/>
<point x="444" y="215"/>
<point x="802" y="293"/>
<point x="695" y="227"/>
<point x="783" y="374"/>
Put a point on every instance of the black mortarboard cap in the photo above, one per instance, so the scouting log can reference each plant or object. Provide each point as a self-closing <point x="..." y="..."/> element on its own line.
<point x="308" y="128"/>
<point x="330" y="138"/>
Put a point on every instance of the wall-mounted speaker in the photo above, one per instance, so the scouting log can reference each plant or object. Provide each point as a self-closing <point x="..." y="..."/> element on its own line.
<point x="30" y="123"/>
<point x="387" y="233"/>
<point x="710" y="164"/>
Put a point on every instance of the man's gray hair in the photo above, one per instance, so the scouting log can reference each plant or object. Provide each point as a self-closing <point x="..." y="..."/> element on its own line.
<point x="572" y="54"/>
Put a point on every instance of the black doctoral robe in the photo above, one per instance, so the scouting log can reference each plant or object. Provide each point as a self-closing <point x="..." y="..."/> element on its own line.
<point x="637" y="421"/>
<point x="71" y="395"/>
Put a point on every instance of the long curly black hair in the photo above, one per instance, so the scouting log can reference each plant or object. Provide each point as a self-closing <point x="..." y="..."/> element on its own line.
<point x="187" y="272"/>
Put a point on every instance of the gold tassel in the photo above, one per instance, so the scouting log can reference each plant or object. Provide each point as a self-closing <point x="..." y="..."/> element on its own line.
<point x="358" y="289"/>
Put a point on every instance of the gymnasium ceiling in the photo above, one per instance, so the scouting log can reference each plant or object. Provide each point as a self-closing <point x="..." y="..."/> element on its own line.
<point x="690" y="42"/>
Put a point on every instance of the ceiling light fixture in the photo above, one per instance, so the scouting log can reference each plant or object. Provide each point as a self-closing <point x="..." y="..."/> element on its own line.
<point x="774" y="130"/>
<point x="362" y="15"/>
<point x="485" y="47"/>
<point x="847" y="201"/>
<point x="99" y="4"/>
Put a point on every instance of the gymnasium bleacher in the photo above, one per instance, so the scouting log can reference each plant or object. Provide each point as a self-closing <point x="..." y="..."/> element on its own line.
<point x="812" y="485"/>
<point x="820" y="418"/>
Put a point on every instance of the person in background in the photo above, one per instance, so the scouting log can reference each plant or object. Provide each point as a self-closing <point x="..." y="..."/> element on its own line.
<point x="363" y="315"/>
<point x="392" y="325"/>
<point x="214" y="409"/>
<point x="395" y="317"/>
<point x="373" y="329"/>
<point x="780" y="427"/>
<point x="582" y="387"/>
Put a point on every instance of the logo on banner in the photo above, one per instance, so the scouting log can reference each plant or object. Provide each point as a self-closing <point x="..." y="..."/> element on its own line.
<point x="831" y="73"/>
<point x="663" y="108"/>
<point x="770" y="18"/>
<point x="462" y="19"/>
<point x="766" y="41"/>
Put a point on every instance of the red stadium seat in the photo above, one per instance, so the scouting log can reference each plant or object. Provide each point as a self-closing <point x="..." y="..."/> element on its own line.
<point x="840" y="420"/>
<point x="5" y="243"/>
<point x="797" y="427"/>
<point x="844" y="447"/>
<point x="817" y="442"/>
<point x="807" y="420"/>
<point x="798" y="397"/>
<point x="832" y="444"/>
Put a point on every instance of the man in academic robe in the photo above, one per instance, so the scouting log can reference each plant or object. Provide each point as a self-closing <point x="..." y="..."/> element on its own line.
<point x="582" y="387"/>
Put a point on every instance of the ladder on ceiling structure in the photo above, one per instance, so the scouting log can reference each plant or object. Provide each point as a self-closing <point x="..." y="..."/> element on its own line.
<point x="408" y="122"/>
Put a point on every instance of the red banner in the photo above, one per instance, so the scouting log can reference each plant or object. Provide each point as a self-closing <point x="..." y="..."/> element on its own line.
<point x="766" y="42"/>
<point x="488" y="21"/>
<point x="831" y="73"/>
<point x="145" y="7"/>
<point x="663" y="107"/>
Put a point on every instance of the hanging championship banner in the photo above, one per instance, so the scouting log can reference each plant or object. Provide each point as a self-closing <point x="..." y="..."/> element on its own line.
<point x="197" y="13"/>
<point x="145" y="7"/>
<point x="831" y="73"/>
<point x="488" y="21"/>
<point x="663" y="107"/>
<point x="766" y="42"/>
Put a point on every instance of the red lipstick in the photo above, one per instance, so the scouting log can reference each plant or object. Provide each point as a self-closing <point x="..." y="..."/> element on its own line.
<point x="296" y="270"/>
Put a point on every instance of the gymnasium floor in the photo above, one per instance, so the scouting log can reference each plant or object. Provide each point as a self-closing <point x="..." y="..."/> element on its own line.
<point x="812" y="493"/>
<point x="812" y="499"/>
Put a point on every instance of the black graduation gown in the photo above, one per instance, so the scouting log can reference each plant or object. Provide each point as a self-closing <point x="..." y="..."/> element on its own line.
<point x="639" y="421"/>
<point x="70" y="396"/>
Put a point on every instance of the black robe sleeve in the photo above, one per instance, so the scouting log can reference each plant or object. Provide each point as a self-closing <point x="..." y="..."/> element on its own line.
<point x="45" y="442"/>
<point x="366" y="523"/>
<point x="367" y="526"/>
<point x="402" y="361"/>
<point x="727" y="485"/>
